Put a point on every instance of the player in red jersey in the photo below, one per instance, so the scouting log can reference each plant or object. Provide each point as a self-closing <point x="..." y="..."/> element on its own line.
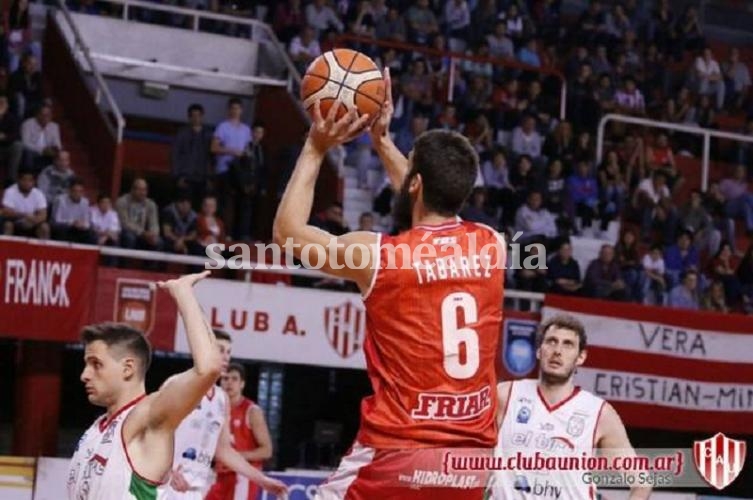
<point x="250" y="438"/>
<point x="433" y="297"/>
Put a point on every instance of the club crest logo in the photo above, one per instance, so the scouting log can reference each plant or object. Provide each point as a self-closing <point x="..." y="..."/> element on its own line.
<point x="345" y="326"/>
<point x="576" y="424"/>
<point x="524" y="415"/>
<point x="518" y="347"/>
<point x="719" y="459"/>
<point x="135" y="304"/>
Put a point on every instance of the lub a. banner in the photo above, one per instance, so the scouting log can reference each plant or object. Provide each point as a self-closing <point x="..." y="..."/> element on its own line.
<point x="284" y="324"/>
<point x="128" y="296"/>
<point x="45" y="289"/>
<point x="666" y="368"/>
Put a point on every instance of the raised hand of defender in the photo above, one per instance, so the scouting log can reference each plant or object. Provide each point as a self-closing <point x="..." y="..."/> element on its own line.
<point x="185" y="282"/>
<point x="277" y="488"/>
<point x="381" y="125"/>
<point x="328" y="132"/>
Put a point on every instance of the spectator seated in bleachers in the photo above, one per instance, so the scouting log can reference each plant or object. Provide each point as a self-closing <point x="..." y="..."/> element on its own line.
<point x="24" y="209"/>
<point x="684" y="295"/>
<point x="304" y="48"/>
<point x="105" y="222"/>
<point x="714" y="299"/>
<point x="210" y="227"/>
<point x="180" y="227"/>
<point x="584" y="194"/>
<point x="366" y="222"/>
<point x="535" y="222"/>
<point x="475" y="209"/>
<point x="603" y="277"/>
<point x="55" y="179"/>
<point x="71" y="219"/>
<point x="139" y="218"/>
<point x="25" y="87"/>
<point x="745" y="275"/>
<point x="736" y="80"/>
<point x="629" y="259"/>
<point x="563" y="273"/>
<point x="654" y="283"/>
<point x="331" y="220"/>
<point x="41" y="139"/>
<point x="11" y="147"/>
<point x="681" y="257"/>
<point x="708" y="78"/>
<point x="696" y="217"/>
<point x="532" y="279"/>
<point x="738" y="198"/>
<point x="647" y="197"/>
<point x="723" y="268"/>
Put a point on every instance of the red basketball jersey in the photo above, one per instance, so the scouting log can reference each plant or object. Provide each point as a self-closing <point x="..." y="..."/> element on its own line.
<point x="243" y="436"/>
<point x="433" y="333"/>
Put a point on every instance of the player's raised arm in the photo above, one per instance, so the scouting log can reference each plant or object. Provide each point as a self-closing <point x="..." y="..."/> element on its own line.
<point x="180" y="394"/>
<point x="612" y="440"/>
<point x="233" y="460"/>
<point x="291" y="222"/>
<point x="395" y="163"/>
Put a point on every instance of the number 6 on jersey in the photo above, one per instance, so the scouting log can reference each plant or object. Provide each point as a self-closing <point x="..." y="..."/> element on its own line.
<point x="453" y="336"/>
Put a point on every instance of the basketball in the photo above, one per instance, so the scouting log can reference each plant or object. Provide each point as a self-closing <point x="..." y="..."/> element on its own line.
<point x="347" y="76"/>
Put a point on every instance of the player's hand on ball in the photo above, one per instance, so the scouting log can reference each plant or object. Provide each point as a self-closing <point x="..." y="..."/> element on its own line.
<point x="328" y="132"/>
<point x="183" y="283"/>
<point x="381" y="125"/>
<point x="274" y="486"/>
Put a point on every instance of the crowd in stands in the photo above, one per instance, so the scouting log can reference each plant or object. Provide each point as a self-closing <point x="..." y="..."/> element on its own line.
<point x="539" y="174"/>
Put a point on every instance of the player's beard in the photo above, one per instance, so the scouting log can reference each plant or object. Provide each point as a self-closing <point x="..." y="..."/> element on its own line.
<point x="550" y="378"/>
<point x="402" y="214"/>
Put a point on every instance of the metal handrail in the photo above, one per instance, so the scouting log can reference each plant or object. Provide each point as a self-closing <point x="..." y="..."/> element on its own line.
<point x="102" y="88"/>
<point x="707" y="134"/>
<point x="198" y="15"/>
<point x="515" y="295"/>
<point x="258" y="80"/>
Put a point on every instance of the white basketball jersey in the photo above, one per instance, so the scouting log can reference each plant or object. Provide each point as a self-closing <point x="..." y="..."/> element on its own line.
<point x="196" y="442"/>
<point x="100" y="468"/>
<point x="530" y="425"/>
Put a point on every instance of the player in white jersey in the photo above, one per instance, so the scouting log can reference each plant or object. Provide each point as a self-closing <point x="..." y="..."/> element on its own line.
<point x="128" y="451"/>
<point x="553" y="417"/>
<point x="205" y="435"/>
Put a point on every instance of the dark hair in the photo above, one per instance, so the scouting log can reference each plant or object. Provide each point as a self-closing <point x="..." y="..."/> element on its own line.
<point x="564" y="322"/>
<point x="222" y="335"/>
<point x="259" y="124"/>
<point x="656" y="246"/>
<point x="195" y="107"/>
<point x="103" y="196"/>
<point x="237" y="367"/>
<point x="25" y="171"/>
<point x="121" y="335"/>
<point x="448" y="166"/>
<point x="76" y="181"/>
<point x="233" y="101"/>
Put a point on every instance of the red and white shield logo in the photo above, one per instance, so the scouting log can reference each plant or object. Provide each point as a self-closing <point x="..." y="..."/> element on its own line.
<point x="719" y="459"/>
<point x="345" y="326"/>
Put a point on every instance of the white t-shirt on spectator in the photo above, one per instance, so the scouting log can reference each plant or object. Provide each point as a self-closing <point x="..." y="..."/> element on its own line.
<point x="647" y="186"/>
<point x="104" y="222"/>
<point x="650" y="264"/>
<point x="706" y="69"/>
<point x="24" y="204"/>
<point x="312" y="49"/>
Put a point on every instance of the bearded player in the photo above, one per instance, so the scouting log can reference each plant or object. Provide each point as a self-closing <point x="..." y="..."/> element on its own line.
<point x="204" y="435"/>
<point x="250" y="438"/>
<point x="553" y="416"/>
<point x="128" y="451"/>
<point x="433" y="306"/>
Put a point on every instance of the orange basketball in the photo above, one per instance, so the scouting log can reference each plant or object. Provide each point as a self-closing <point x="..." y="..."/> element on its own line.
<point x="347" y="76"/>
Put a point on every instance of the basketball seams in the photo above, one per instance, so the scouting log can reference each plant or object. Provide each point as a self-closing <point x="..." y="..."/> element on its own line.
<point x="345" y="77"/>
<point x="335" y="82"/>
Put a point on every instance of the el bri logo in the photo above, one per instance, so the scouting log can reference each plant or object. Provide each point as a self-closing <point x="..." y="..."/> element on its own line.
<point x="719" y="459"/>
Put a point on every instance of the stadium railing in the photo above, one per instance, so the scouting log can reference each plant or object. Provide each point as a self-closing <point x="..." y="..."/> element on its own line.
<point x="455" y="56"/>
<point x="706" y="133"/>
<point x="258" y="31"/>
<point x="512" y="297"/>
<point x="101" y="89"/>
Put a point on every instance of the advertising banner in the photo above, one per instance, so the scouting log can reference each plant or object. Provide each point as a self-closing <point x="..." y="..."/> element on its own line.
<point x="45" y="290"/>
